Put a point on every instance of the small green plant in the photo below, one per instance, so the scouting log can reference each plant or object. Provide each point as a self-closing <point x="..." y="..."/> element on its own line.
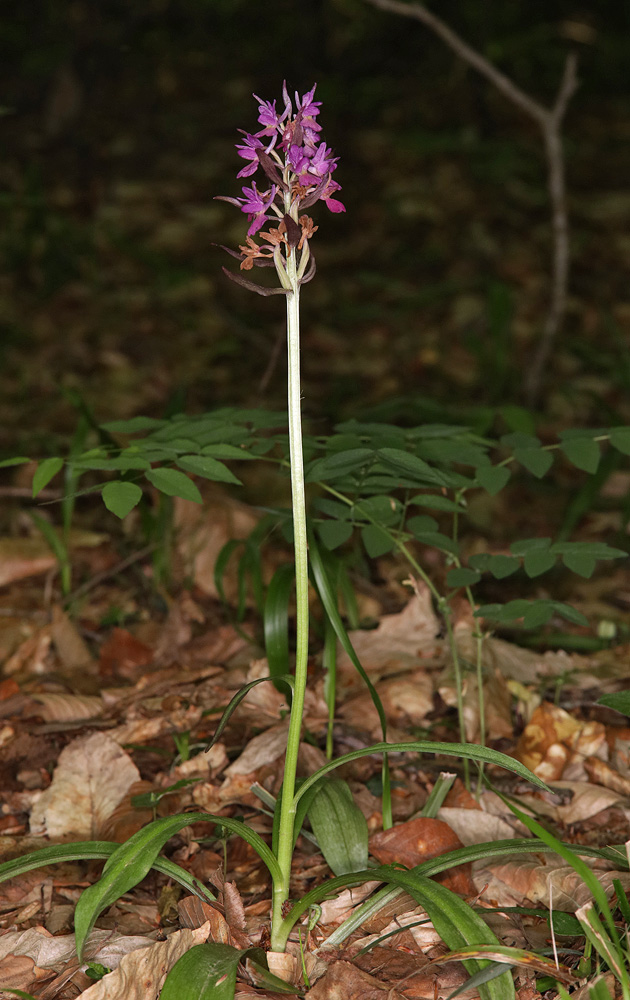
<point x="377" y="482"/>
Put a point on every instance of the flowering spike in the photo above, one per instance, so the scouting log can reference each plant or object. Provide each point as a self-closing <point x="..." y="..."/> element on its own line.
<point x="299" y="167"/>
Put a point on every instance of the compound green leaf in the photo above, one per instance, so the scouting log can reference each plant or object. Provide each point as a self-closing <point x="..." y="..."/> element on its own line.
<point x="538" y="561"/>
<point x="535" y="460"/>
<point x="120" y="497"/>
<point x="583" y="452"/>
<point x="334" y="533"/>
<point x="492" y="478"/>
<point x="620" y="439"/>
<point x="377" y="542"/>
<point x="44" y="472"/>
<point x="174" y="484"/>
<point x="209" y="468"/>
<point x="462" y="577"/>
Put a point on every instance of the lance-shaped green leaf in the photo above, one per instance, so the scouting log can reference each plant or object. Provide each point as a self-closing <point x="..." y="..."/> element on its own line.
<point x="208" y="972"/>
<point x="237" y="699"/>
<point x="340" y="827"/>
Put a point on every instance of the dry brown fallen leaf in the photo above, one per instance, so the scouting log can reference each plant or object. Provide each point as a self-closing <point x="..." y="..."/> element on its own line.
<point x="418" y="840"/>
<point x="141" y="974"/>
<point x="400" y="642"/>
<point x="91" y="777"/>
<point x="551" y="883"/>
<point x="344" y="981"/>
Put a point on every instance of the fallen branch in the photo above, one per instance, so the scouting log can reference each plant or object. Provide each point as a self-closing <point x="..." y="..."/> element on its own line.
<point x="549" y="119"/>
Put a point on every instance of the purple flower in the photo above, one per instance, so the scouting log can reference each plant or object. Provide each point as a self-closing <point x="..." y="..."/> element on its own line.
<point x="333" y="203"/>
<point x="255" y="205"/>
<point x="268" y="116"/>
<point x="322" y="162"/>
<point x="249" y="151"/>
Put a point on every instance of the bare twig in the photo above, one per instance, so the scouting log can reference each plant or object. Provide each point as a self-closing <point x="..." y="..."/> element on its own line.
<point x="549" y="121"/>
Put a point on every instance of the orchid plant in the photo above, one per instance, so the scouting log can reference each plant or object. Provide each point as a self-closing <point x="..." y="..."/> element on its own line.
<point x="299" y="168"/>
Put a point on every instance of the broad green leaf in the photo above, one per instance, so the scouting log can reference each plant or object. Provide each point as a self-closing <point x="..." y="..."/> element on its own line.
<point x="462" y="577"/>
<point x="333" y="508"/>
<point x="377" y="541"/>
<point x="120" y="497"/>
<point x="535" y="460"/>
<point x="583" y="452"/>
<point x="519" y="419"/>
<point x="129" y="864"/>
<point x="620" y="439"/>
<point x="619" y="700"/>
<point x="334" y="533"/>
<point x="538" y="561"/>
<point x="209" y="468"/>
<point x="133" y="425"/>
<point x="493" y="478"/>
<point x="340" y="827"/>
<point x="174" y="484"/>
<point x="8" y="462"/>
<point x="538" y="614"/>
<point x="208" y="972"/>
<point x="44" y="472"/>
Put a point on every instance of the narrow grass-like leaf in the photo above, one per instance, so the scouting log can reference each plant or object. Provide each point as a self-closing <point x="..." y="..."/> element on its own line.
<point x="612" y="952"/>
<point x="505" y="955"/>
<point x="340" y="827"/>
<point x="237" y="699"/>
<point x="129" y="864"/>
<point x="463" y="855"/>
<point x="276" y="620"/>
<point x="7" y="463"/>
<point x="469" y="750"/>
<point x="98" y="850"/>
<point x="570" y="856"/>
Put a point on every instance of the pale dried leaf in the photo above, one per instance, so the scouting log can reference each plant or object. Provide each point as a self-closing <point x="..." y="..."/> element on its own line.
<point x="262" y="749"/>
<point x="141" y="974"/>
<point x="473" y="826"/>
<point x="509" y="883"/>
<point x="24" y="557"/>
<point x="401" y="642"/>
<point x="67" y="707"/>
<point x="92" y="776"/>
<point x="71" y="648"/>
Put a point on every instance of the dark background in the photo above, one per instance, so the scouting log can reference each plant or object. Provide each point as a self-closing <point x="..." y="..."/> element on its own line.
<point x="119" y="129"/>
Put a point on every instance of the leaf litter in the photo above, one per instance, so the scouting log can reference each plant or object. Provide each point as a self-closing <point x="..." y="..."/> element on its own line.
<point x="104" y="727"/>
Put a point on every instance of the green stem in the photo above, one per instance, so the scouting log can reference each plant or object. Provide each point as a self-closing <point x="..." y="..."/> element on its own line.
<point x="287" y="807"/>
